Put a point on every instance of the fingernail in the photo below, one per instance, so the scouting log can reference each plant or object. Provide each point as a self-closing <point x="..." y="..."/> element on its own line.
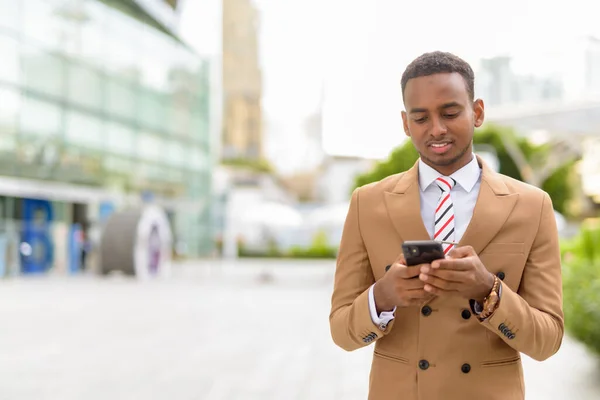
<point x="423" y="277"/>
<point x="427" y="288"/>
<point x="425" y="269"/>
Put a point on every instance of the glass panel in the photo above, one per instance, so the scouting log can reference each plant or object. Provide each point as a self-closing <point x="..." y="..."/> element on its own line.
<point x="199" y="129"/>
<point x="121" y="59"/>
<point x="120" y="139"/>
<point x="42" y="72"/>
<point x="9" y="66"/>
<point x="150" y="147"/>
<point x="85" y="86"/>
<point x="83" y="29"/>
<point x="117" y="164"/>
<point x="157" y="60"/>
<point x="181" y="113"/>
<point x="199" y="159"/>
<point x="43" y="23"/>
<point x="153" y="114"/>
<point x="84" y="130"/>
<point x="40" y="118"/>
<point x="10" y="101"/>
<point x="121" y="100"/>
<point x="123" y="53"/>
<point x="177" y="154"/>
<point x="9" y="14"/>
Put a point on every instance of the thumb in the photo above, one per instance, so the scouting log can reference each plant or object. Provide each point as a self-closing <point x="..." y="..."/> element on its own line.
<point x="400" y="259"/>
<point x="462" y="252"/>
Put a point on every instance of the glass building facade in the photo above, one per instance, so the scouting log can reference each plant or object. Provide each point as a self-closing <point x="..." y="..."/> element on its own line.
<point x="99" y="94"/>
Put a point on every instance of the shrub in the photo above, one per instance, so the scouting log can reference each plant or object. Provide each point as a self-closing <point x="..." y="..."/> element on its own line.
<point x="581" y="284"/>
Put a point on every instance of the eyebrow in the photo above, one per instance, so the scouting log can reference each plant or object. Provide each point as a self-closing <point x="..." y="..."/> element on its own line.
<point x="443" y="107"/>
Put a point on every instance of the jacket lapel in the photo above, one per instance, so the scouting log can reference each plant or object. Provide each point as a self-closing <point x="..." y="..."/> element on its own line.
<point x="403" y="205"/>
<point x="494" y="205"/>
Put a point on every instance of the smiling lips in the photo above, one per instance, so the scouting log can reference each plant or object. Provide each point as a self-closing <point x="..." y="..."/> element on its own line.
<point x="440" y="147"/>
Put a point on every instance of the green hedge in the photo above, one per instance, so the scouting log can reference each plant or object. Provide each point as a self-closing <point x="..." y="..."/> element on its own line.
<point x="319" y="248"/>
<point x="581" y="284"/>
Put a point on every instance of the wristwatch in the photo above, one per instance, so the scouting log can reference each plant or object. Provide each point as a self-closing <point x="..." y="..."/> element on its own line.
<point x="490" y="302"/>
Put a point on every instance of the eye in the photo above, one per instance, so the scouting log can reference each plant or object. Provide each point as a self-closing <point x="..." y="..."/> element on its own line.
<point x="420" y="120"/>
<point x="451" y="115"/>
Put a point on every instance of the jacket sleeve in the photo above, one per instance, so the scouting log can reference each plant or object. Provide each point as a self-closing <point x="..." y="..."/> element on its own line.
<point x="350" y="319"/>
<point x="531" y="320"/>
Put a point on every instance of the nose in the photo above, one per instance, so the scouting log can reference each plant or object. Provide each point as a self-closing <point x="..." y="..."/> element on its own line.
<point x="438" y="127"/>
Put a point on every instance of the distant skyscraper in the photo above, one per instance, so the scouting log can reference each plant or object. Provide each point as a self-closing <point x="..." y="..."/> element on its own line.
<point x="582" y="69"/>
<point x="242" y="133"/>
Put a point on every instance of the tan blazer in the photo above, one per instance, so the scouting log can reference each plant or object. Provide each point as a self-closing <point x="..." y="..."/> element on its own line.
<point x="439" y="350"/>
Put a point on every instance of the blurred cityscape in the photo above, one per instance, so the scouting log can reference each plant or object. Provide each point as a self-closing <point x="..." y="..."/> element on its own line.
<point x="134" y="138"/>
<point x="107" y="107"/>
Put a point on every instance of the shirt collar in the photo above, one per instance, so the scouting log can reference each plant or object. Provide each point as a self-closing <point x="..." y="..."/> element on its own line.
<point x="466" y="177"/>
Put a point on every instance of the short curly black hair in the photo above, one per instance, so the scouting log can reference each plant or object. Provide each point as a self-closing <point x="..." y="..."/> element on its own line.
<point x="438" y="62"/>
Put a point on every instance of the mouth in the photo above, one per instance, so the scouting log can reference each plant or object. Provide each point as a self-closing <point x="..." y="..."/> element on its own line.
<point x="440" y="147"/>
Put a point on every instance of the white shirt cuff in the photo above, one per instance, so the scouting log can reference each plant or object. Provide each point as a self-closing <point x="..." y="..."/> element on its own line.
<point x="382" y="320"/>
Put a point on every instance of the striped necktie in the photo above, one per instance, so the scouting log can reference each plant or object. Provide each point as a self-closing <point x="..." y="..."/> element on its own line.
<point x="444" y="213"/>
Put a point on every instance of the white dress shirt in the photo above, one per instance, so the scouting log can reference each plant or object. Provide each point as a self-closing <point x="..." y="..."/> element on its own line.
<point x="464" y="196"/>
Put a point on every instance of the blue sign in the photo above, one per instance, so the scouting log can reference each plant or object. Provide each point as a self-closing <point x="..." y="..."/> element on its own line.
<point x="36" y="248"/>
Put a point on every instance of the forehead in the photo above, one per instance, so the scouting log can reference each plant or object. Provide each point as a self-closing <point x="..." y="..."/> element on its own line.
<point x="437" y="89"/>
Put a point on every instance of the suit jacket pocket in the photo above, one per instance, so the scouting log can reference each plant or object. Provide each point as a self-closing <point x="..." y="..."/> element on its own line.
<point x="503" y="248"/>
<point x="501" y="362"/>
<point x="391" y="357"/>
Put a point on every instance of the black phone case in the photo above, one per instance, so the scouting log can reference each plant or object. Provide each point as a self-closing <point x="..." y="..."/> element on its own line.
<point x="422" y="251"/>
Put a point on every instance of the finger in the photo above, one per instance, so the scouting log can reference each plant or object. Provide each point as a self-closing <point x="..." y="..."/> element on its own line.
<point x="439" y="283"/>
<point x="455" y="264"/>
<point x="408" y="272"/>
<point x="447" y="274"/>
<point x="462" y="252"/>
<point x="412" y="284"/>
<point x="434" y="290"/>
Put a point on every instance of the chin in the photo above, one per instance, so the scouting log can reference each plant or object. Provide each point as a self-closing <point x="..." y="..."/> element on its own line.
<point x="442" y="160"/>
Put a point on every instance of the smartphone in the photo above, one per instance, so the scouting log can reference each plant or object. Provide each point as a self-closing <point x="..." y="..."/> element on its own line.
<point x="422" y="251"/>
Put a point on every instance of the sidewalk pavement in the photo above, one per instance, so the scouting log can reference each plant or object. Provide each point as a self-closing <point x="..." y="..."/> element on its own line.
<point x="249" y="330"/>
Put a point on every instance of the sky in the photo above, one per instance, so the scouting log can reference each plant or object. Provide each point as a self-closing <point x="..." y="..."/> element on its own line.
<point x="350" y="54"/>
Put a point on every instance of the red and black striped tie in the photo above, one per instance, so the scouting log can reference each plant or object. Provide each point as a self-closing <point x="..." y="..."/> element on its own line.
<point x="444" y="213"/>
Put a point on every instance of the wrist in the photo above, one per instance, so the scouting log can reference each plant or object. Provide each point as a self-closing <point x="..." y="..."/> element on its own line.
<point x="381" y="301"/>
<point x="486" y="288"/>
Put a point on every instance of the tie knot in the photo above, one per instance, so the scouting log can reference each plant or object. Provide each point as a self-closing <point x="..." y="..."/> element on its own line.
<point x="445" y="183"/>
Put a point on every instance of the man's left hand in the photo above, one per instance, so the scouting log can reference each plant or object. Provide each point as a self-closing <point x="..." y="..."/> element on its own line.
<point x="462" y="272"/>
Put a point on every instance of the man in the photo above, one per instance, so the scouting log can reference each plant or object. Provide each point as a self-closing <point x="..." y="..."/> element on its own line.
<point x="455" y="328"/>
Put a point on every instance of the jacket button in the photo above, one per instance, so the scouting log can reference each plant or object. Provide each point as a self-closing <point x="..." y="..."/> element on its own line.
<point x="501" y="275"/>
<point x="426" y="311"/>
<point x="466" y="368"/>
<point x="466" y="314"/>
<point x="423" y="364"/>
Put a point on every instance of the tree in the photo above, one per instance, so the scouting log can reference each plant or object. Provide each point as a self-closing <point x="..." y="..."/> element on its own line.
<point x="548" y="166"/>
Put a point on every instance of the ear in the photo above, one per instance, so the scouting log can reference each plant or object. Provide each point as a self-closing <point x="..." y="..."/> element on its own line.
<point x="478" y="113"/>
<point x="405" y="123"/>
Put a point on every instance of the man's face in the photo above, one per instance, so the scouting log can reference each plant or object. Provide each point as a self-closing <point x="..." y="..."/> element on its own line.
<point x="440" y="119"/>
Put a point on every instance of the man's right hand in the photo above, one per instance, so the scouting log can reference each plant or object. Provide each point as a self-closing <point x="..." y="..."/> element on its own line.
<point x="400" y="287"/>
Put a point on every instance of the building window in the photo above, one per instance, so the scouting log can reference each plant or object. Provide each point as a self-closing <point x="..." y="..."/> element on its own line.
<point x="10" y="101"/>
<point x="120" y="139"/>
<point x="85" y="86"/>
<point x="84" y="130"/>
<point x="42" y="72"/>
<point x="40" y="118"/>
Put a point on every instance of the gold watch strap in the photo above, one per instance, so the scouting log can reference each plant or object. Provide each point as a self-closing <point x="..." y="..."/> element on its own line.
<point x="490" y="303"/>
